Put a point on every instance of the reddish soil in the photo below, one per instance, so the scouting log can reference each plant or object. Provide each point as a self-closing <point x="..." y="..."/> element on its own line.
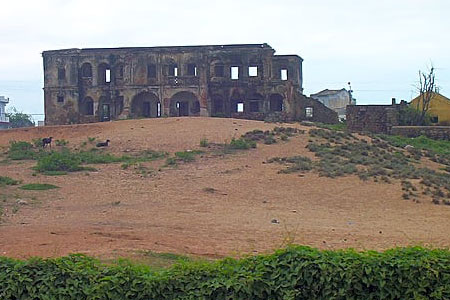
<point x="114" y="212"/>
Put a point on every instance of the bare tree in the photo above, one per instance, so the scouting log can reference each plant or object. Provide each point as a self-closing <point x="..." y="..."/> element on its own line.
<point x="426" y="87"/>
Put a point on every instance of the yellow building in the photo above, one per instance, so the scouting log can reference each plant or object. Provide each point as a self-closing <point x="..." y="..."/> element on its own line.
<point x="439" y="109"/>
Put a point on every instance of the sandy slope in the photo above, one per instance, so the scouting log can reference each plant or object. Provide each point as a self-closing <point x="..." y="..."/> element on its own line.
<point x="114" y="212"/>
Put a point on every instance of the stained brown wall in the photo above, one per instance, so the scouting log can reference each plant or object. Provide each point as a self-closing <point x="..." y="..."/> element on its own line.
<point x="201" y="92"/>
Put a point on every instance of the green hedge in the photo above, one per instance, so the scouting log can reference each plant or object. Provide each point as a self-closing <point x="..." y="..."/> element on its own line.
<point x="294" y="273"/>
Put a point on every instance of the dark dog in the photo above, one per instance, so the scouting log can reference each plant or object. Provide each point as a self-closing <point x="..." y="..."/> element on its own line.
<point x="103" y="144"/>
<point x="47" y="141"/>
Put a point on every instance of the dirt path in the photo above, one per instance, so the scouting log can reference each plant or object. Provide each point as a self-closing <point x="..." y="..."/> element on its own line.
<point x="213" y="206"/>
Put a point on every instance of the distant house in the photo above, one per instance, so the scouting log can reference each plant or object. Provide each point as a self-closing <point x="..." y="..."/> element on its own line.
<point x="439" y="108"/>
<point x="4" y="120"/>
<point x="337" y="100"/>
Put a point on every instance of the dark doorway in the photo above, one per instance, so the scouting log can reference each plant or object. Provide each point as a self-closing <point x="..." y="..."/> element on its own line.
<point x="183" y="109"/>
<point x="146" y="109"/>
<point x="106" y="113"/>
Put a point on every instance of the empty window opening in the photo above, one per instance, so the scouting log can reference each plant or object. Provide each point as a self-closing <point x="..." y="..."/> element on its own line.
<point x="434" y="119"/>
<point x="151" y="71"/>
<point x="61" y="73"/>
<point x="173" y="70"/>
<point x="192" y="70"/>
<point x="107" y="75"/>
<point x="60" y="99"/>
<point x="240" y="107"/>
<point x="254" y="106"/>
<point x="284" y="74"/>
<point x="234" y="73"/>
<point x="86" y="70"/>
<point x="219" y="71"/>
<point x="253" y="71"/>
<point x="309" y="112"/>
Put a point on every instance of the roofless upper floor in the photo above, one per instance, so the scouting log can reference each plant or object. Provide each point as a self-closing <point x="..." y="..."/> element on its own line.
<point x="169" y="65"/>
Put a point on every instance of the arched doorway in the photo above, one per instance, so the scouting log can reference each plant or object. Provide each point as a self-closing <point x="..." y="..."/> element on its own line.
<point x="145" y="105"/>
<point x="86" y="106"/>
<point x="276" y="102"/>
<point x="217" y="105"/>
<point x="184" y="104"/>
<point x="255" y="103"/>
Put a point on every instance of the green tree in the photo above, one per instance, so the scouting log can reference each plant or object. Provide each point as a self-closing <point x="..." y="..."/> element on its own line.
<point x="19" y="119"/>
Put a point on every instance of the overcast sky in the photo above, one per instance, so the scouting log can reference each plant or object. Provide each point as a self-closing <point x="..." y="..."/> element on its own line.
<point x="378" y="46"/>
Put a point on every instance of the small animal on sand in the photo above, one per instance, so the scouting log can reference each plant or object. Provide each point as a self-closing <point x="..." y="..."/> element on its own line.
<point x="47" y="141"/>
<point x="103" y="144"/>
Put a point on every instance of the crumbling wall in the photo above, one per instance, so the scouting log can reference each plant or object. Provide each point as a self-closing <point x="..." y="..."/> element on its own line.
<point x="91" y="85"/>
<point x="433" y="132"/>
<point x="372" y="118"/>
<point x="310" y="109"/>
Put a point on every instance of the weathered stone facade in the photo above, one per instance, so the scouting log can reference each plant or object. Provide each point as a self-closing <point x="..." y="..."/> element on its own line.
<point x="373" y="118"/>
<point x="91" y="85"/>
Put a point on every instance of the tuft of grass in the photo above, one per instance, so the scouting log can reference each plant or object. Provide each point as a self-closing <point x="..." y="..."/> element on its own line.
<point x="187" y="156"/>
<point x="5" y="180"/>
<point x="204" y="142"/>
<point x="241" y="144"/>
<point x="38" y="187"/>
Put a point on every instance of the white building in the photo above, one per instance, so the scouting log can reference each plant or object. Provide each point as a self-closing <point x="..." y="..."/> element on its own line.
<point x="337" y="100"/>
<point x="4" y="120"/>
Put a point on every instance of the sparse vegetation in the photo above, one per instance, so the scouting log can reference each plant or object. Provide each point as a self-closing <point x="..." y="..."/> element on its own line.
<point x="5" y="180"/>
<point x="38" y="186"/>
<point x="343" y="154"/>
<point x="21" y="150"/>
<point x="61" y="142"/>
<point x="187" y="156"/>
<point x="241" y="144"/>
<point x="204" y="142"/>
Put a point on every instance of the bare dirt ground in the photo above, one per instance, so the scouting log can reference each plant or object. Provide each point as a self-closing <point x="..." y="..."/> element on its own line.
<point x="115" y="212"/>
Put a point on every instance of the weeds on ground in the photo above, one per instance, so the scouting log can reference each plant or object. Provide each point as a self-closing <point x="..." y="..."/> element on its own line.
<point x="204" y="142"/>
<point x="65" y="160"/>
<point x="21" y="150"/>
<point x="61" y="142"/>
<point x="341" y="153"/>
<point x="38" y="186"/>
<point x="5" y="180"/>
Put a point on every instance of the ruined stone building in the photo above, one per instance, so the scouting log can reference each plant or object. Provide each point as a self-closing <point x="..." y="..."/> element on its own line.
<point x="374" y="118"/>
<point x="101" y="84"/>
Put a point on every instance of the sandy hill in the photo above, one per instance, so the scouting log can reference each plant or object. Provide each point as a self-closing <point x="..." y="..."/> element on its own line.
<point x="214" y="206"/>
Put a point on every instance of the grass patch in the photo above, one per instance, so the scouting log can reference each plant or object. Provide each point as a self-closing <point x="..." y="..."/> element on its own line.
<point x="187" y="156"/>
<point x="21" y="150"/>
<point x="241" y="144"/>
<point x="421" y="142"/>
<point x="38" y="187"/>
<point x="204" y="142"/>
<point x="5" y="180"/>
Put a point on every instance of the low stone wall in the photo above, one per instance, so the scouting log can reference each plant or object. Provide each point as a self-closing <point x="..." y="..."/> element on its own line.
<point x="433" y="132"/>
